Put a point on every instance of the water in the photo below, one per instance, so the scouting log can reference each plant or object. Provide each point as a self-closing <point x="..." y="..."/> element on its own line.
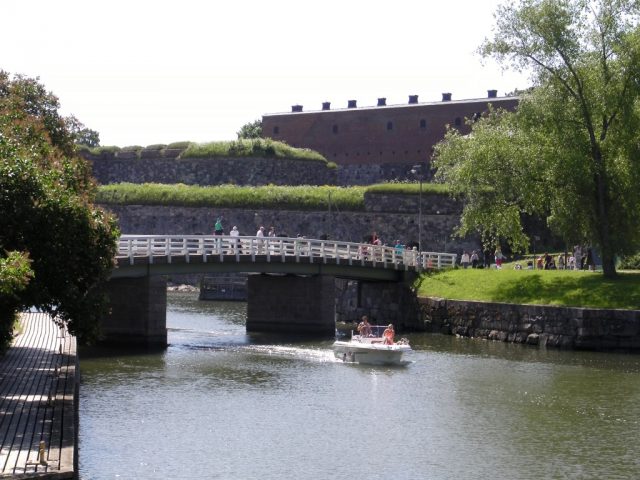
<point x="224" y="405"/>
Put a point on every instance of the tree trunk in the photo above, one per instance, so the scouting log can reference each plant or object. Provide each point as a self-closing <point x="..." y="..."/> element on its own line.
<point x="602" y="215"/>
<point x="608" y="266"/>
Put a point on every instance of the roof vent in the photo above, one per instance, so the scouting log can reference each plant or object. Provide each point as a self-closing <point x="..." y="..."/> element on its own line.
<point x="382" y="102"/>
<point x="492" y="93"/>
<point x="352" y="104"/>
<point x="413" y="98"/>
<point x="326" y="105"/>
<point x="296" y="108"/>
<point x="446" y="97"/>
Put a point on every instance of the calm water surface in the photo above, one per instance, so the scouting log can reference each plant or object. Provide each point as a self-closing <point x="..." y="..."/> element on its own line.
<point x="221" y="404"/>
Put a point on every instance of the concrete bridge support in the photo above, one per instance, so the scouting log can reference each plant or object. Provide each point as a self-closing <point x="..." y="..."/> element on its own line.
<point x="138" y="312"/>
<point x="291" y="304"/>
<point x="382" y="302"/>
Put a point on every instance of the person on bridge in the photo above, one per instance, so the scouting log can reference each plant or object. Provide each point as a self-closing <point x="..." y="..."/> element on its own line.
<point x="235" y="234"/>
<point x="388" y="335"/>
<point x="218" y="229"/>
<point x="260" y="235"/>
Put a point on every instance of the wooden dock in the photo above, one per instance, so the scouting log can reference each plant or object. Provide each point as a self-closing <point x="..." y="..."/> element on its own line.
<point x="38" y="402"/>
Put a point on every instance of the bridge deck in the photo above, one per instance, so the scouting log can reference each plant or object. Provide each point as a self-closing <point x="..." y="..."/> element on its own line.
<point x="201" y="253"/>
<point x="37" y="401"/>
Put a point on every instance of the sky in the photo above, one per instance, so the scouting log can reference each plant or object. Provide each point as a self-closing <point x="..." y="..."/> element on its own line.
<point x="155" y="72"/>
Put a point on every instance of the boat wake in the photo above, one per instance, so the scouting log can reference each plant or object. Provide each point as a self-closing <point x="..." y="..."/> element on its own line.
<point x="309" y="354"/>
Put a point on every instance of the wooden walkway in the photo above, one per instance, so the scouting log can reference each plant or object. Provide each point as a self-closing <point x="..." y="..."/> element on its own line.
<point x="38" y="400"/>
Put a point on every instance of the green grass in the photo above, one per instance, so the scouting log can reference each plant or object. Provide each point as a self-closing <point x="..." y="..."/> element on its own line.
<point x="258" y="147"/>
<point x="232" y="196"/>
<point x="302" y="197"/>
<point x="409" y="188"/>
<point x="538" y="287"/>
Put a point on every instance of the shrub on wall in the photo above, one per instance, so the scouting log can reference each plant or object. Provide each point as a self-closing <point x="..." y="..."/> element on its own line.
<point x="255" y="147"/>
<point x="407" y="188"/>
<point x="630" y="262"/>
<point x="302" y="197"/>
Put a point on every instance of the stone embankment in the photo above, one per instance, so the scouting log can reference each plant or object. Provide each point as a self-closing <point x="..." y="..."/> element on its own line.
<point x="563" y="327"/>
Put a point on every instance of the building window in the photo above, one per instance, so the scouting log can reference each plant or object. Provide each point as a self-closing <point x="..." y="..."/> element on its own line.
<point x="276" y="130"/>
<point x="389" y="125"/>
<point x="334" y="129"/>
<point x="458" y="122"/>
<point x="423" y="123"/>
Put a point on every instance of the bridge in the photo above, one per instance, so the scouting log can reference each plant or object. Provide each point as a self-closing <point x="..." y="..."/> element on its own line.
<point x="295" y="293"/>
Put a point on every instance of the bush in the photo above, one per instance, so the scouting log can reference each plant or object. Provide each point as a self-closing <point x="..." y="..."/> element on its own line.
<point x="179" y="145"/>
<point x="630" y="262"/>
<point x="100" y="150"/>
<point x="254" y="147"/>
<point x="303" y="197"/>
<point x="409" y="188"/>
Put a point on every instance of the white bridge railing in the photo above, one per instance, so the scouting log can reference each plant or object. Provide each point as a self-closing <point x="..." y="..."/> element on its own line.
<point x="273" y="249"/>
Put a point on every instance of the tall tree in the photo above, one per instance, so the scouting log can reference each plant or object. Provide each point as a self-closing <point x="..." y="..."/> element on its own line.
<point x="571" y="150"/>
<point x="46" y="211"/>
<point x="251" y="130"/>
<point x="81" y="134"/>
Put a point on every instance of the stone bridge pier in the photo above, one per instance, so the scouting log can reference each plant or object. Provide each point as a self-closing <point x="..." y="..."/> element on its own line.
<point x="138" y="314"/>
<point x="293" y="304"/>
<point x="383" y="302"/>
<point x="297" y="304"/>
<point x="313" y="304"/>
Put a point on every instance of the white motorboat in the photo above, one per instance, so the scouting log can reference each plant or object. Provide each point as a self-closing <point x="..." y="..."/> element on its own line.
<point x="371" y="349"/>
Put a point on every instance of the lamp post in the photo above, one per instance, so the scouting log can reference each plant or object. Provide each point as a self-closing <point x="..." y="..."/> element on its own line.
<point x="416" y="170"/>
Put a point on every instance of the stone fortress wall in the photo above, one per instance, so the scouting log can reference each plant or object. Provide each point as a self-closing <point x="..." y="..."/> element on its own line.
<point x="168" y="167"/>
<point x="392" y="216"/>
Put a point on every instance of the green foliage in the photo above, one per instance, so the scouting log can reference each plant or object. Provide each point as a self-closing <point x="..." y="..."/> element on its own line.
<point x="111" y="149"/>
<point x="539" y="287"/>
<point x="251" y="130"/>
<point x="157" y="146"/>
<point x="15" y="274"/>
<point x="412" y="188"/>
<point x="570" y="151"/>
<point x="46" y="211"/>
<point x="259" y="147"/>
<point x="303" y="197"/>
<point x="82" y="136"/>
<point x="630" y="262"/>
<point x="179" y="145"/>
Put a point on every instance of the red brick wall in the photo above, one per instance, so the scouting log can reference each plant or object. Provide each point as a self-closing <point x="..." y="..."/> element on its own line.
<point x="363" y="136"/>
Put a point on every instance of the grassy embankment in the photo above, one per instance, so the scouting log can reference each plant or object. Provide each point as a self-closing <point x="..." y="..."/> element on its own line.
<point x="540" y="287"/>
<point x="259" y="147"/>
<point x="303" y="197"/>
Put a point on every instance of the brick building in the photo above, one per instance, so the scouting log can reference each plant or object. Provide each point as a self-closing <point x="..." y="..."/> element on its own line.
<point x="382" y="142"/>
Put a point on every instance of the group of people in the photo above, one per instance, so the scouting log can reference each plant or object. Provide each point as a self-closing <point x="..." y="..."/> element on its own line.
<point x="218" y="229"/>
<point x="475" y="260"/>
<point x="580" y="259"/>
<point x="470" y="260"/>
<point x="365" y="330"/>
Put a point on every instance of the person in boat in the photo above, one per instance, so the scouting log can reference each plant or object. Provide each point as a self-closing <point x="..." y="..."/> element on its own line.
<point x="388" y="335"/>
<point x="364" y="327"/>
